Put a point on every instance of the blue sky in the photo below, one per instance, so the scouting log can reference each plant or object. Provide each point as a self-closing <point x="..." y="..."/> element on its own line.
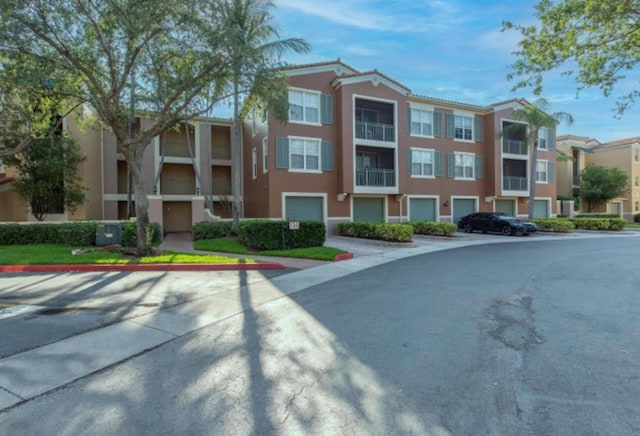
<point x="451" y="49"/>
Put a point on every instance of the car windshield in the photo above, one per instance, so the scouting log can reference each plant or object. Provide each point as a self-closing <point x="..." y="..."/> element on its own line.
<point x="507" y="217"/>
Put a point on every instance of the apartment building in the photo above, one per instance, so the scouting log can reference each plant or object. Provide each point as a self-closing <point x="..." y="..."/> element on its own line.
<point x="573" y="151"/>
<point x="187" y="170"/>
<point x="360" y="146"/>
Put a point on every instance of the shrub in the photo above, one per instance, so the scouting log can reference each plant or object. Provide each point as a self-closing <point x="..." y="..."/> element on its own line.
<point x="598" y="215"/>
<point x="561" y="225"/>
<point x="129" y="233"/>
<point x="210" y="230"/>
<point x="79" y="233"/>
<point x="434" y="228"/>
<point x="381" y="231"/>
<point x="611" y="222"/>
<point x="276" y="235"/>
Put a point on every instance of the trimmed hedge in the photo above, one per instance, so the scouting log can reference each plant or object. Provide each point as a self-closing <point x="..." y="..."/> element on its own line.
<point x="210" y="230"/>
<point x="561" y="225"/>
<point x="433" y="228"/>
<point x="79" y="233"/>
<point x="597" y="215"/>
<point x="268" y="235"/>
<point x="615" y="224"/>
<point x="381" y="231"/>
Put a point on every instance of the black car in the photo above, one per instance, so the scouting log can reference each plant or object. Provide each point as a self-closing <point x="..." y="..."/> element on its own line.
<point x="496" y="222"/>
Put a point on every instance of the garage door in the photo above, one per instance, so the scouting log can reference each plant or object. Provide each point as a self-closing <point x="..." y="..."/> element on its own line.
<point x="368" y="209"/>
<point x="422" y="209"/>
<point x="540" y="209"/>
<point x="304" y="209"/>
<point x="176" y="216"/>
<point x="506" y="206"/>
<point x="462" y="207"/>
<point x="616" y="208"/>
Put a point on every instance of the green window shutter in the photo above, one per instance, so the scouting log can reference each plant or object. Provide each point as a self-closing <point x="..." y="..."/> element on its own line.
<point x="282" y="152"/>
<point x="409" y="119"/>
<point x="437" y="124"/>
<point x="327" y="156"/>
<point x="326" y="108"/>
<point x="450" y="125"/>
<point x="551" y="172"/>
<point x="551" y="139"/>
<point x="478" y="167"/>
<point x="438" y="170"/>
<point x="477" y="129"/>
<point x="451" y="165"/>
<point x="409" y="162"/>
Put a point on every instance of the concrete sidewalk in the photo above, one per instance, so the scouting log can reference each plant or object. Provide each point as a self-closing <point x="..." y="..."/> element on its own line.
<point x="35" y="372"/>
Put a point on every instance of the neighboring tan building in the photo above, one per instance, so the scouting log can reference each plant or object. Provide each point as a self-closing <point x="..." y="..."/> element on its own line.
<point x="623" y="154"/>
<point x="573" y="151"/>
<point x="177" y="184"/>
<point x="360" y="146"/>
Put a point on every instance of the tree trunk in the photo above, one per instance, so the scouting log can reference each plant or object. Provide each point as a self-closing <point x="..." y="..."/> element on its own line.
<point x="134" y="158"/>
<point x="236" y="154"/>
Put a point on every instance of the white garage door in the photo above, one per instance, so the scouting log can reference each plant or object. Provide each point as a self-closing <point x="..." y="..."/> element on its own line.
<point x="304" y="209"/>
<point x="540" y="209"/>
<point x="462" y="207"/>
<point x="422" y="209"/>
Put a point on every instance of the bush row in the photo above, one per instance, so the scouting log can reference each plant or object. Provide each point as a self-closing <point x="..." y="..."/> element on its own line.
<point x="210" y="230"/>
<point x="433" y="228"/>
<point x="614" y="223"/>
<point x="80" y="233"/>
<point x="382" y="231"/>
<point x="561" y="225"/>
<point x="276" y="235"/>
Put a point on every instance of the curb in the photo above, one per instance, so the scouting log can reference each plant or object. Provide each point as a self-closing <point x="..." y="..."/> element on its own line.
<point x="343" y="256"/>
<point x="142" y="267"/>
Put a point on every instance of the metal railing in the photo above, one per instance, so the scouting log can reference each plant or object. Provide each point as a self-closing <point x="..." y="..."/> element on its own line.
<point x="512" y="146"/>
<point x="375" y="131"/>
<point x="514" y="184"/>
<point x="376" y="177"/>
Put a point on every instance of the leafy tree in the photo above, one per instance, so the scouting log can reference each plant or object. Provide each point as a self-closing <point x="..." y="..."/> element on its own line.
<point x="47" y="176"/>
<point x="596" y="41"/>
<point x="536" y="117"/>
<point x="254" y="50"/>
<point x="600" y="184"/>
<point x="88" y="52"/>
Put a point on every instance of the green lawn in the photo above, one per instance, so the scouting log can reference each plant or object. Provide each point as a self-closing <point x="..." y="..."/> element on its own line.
<point x="54" y="254"/>
<point x="230" y="245"/>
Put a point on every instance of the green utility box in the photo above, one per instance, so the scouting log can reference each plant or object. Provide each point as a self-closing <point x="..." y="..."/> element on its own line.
<point x="108" y="234"/>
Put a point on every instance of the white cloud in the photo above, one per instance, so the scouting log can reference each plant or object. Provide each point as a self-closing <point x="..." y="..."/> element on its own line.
<point x="398" y="16"/>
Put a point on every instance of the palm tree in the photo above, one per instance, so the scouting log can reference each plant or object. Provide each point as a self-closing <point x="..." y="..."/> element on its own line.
<point x="254" y="51"/>
<point x="537" y="117"/>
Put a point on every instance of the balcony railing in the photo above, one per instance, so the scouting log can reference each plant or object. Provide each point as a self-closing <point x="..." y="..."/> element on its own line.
<point x="512" y="146"/>
<point x="514" y="183"/>
<point x="375" y="131"/>
<point x="376" y="177"/>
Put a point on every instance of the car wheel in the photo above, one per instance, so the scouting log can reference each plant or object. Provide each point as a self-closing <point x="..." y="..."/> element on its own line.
<point x="468" y="228"/>
<point x="506" y="230"/>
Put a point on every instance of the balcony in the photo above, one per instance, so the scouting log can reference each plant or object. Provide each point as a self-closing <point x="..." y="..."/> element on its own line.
<point x="376" y="177"/>
<point x="374" y="120"/>
<point x="375" y="131"/>
<point x="510" y="183"/>
<point x="512" y="146"/>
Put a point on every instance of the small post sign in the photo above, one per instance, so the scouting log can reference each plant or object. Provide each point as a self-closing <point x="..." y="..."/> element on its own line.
<point x="294" y="225"/>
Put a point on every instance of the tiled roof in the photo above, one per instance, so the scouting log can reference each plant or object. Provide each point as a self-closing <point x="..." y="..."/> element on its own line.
<point x="617" y="143"/>
<point x="378" y="73"/>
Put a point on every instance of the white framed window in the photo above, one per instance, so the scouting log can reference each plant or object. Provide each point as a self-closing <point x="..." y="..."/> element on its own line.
<point x="464" y="165"/>
<point x="542" y="138"/>
<point x="254" y="162"/>
<point x="463" y="127"/>
<point x="304" y="106"/>
<point x="265" y="155"/>
<point x="304" y="154"/>
<point x="421" y="122"/>
<point x="542" y="168"/>
<point x="422" y="162"/>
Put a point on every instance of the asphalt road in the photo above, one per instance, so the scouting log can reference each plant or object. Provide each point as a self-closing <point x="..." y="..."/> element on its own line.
<point x="534" y="338"/>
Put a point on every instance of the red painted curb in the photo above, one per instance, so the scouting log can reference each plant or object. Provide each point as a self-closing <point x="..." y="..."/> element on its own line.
<point x="142" y="267"/>
<point x="343" y="256"/>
